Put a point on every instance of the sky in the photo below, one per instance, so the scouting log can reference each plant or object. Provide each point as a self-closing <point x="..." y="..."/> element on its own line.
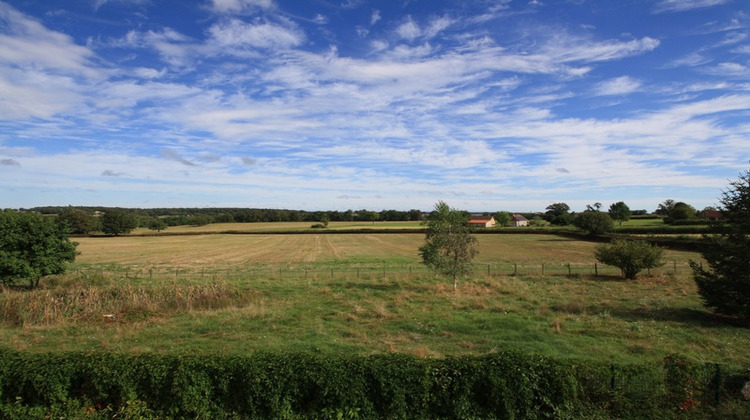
<point x="350" y="104"/>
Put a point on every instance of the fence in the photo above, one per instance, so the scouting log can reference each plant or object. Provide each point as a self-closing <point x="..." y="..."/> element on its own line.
<point x="366" y="271"/>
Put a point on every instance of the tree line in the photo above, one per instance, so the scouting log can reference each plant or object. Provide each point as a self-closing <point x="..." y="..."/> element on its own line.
<point x="117" y="220"/>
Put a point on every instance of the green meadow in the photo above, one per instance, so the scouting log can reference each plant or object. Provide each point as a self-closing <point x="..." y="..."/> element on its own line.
<point x="363" y="294"/>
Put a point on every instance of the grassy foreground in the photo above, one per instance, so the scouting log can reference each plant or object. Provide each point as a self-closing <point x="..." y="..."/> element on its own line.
<point x="109" y="302"/>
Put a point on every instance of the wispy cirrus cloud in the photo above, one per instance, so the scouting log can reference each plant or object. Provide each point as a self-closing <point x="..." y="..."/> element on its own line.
<point x="671" y="6"/>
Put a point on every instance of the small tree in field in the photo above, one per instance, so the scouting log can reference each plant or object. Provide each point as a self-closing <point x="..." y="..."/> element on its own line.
<point x="725" y="285"/>
<point x="31" y="247"/>
<point x="449" y="246"/>
<point x="629" y="256"/>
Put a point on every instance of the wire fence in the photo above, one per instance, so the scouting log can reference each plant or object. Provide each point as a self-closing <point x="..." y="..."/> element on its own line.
<point x="367" y="271"/>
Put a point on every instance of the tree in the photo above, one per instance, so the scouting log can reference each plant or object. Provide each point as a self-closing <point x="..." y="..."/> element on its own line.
<point x="118" y="222"/>
<point x="503" y="218"/>
<point x="629" y="256"/>
<point x="665" y="207"/>
<point x="558" y="214"/>
<point x="619" y="211"/>
<point x="156" y="223"/>
<point x="31" y="247"/>
<point x="77" y="221"/>
<point x="594" y="222"/>
<point x="200" y="220"/>
<point x="682" y="211"/>
<point x="449" y="246"/>
<point x="725" y="286"/>
<point x="595" y="207"/>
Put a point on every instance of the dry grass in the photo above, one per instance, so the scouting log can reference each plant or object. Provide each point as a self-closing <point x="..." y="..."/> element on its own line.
<point x="115" y="303"/>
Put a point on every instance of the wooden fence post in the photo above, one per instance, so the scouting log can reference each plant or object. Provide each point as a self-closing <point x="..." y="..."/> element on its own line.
<point x="596" y="270"/>
<point x="570" y="273"/>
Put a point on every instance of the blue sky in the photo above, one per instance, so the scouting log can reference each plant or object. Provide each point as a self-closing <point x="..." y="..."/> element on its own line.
<point x="350" y="104"/>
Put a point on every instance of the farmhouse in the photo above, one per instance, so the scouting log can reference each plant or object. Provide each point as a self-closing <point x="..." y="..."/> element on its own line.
<point x="713" y="215"/>
<point x="482" y="221"/>
<point x="518" y="220"/>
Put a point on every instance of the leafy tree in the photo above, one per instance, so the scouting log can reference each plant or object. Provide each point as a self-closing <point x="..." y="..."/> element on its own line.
<point x="619" y="211"/>
<point x="367" y="216"/>
<point x="77" y="221"/>
<point x="156" y="223"/>
<point x="629" y="256"/>
<point x="558" y="214"/>
<point x="725" y="286"/>
<point x="449" y="246"/>
<point x="503" y="218"/>
<point x="200" y="220"/>
<point x="594" y="222"/>
<point x="31" y="247"/>
<point x="682" y="211"/>
<point x="665" y="208"/>
<point x="118" y="222"/>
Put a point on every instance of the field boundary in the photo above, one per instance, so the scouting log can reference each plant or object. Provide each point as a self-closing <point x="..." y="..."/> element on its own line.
<point x="367" y="271"/>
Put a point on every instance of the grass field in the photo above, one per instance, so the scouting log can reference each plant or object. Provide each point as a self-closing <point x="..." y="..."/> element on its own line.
<point x="279" y="226"/>
<point x="102" y="304"/>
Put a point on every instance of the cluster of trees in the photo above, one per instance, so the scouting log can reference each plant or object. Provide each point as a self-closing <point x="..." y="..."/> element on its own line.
<point x="115" y="221"/>
<point x="593" y="220"/>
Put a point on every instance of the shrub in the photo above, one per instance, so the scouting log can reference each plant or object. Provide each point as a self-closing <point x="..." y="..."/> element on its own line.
<point x="594" y="222"/>
<point x="501" y="385"/>
<point x="629" y="256"/>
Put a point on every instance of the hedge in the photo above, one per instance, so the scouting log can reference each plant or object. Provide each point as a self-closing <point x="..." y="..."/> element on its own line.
<point x="503" y="385"/>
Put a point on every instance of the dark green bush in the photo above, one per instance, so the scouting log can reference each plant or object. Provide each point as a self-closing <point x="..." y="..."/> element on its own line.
<point x="503" y="385"/>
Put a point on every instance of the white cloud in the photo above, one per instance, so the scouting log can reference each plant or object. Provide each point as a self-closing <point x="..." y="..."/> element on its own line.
<point x="174" y="47"/>
<point x="409" y="30"/>
<point x="668" y="6"/>
<point x="690" y="60"/>
<point x="728" y="70"/>
<point x="375" y="17"/>
<point x="618" y="86"/>
<point x="236" y="33"/>
<point x="572" y="49"/>
<point x="26" y="43"/>
<point x="238" y="6"/>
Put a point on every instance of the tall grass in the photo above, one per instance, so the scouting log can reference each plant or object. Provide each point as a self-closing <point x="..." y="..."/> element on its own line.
<point x="112" y="303"/>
